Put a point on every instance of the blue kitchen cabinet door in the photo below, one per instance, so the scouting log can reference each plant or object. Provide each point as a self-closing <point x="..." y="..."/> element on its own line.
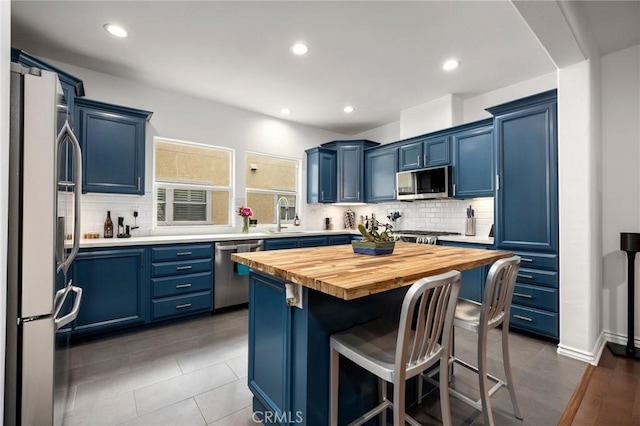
<point x="281" y="243"/>
<point x="350" y="173"/>
<point x="339" y="240"/>
<point x="473" y="280"/>
<point x="473" y="163"/>
<point x="314" y="241"/>
<point x="380" y="167"/>
<point x="527" y="196"/>
<point x="113" y="146"/>
<point x="270" y="345"/>
<point x="424" y="152"/>
<point x="322" y="175"/>
<point x="114" y="289"/>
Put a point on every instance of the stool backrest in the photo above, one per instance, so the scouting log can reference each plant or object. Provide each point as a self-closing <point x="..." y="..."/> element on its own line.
<point x="501" y="281"/>
<point x="435" y="297"/>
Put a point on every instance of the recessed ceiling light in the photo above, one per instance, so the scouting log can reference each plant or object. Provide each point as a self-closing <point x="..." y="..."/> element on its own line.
<point x="300" y="49"/>
<point x="115" y="30"/>
<point x="450" y="64"/>
<point x="285" y="111"/>
<point x="348" y="109"/>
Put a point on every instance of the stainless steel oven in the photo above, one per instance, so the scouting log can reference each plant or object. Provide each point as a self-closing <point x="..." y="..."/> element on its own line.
<point x="231" y="280"/>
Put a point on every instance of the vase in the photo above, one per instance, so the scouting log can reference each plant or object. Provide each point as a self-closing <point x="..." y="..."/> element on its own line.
<point x="245" y="224"/>
<point x="373" y="248"/>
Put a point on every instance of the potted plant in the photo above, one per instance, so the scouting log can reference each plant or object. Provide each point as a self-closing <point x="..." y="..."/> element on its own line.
<point x="375" y="240"/>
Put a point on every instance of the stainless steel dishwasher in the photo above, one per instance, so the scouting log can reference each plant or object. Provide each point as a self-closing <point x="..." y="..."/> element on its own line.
<point x="231" y="288"/>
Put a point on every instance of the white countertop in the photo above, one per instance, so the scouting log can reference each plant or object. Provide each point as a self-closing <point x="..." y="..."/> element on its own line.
<point x="476" y="239"/>
<point x="195" y="238"/>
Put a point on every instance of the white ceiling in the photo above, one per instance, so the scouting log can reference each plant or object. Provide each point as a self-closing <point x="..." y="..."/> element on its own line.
<point x="381" y="57"/>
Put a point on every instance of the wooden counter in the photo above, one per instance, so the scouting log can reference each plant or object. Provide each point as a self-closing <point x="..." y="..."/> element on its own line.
<point x="339" y="272"/>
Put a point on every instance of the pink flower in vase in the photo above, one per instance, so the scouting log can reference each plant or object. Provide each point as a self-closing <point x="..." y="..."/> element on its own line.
<point x="245" y="211"/>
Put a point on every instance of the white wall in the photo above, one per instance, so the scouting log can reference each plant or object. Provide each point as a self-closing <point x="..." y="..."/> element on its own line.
<point x="177" y="116"/>
<point x="5" y="55"/>
<point x="438" y="114"/>
<point x="621" y="183"/>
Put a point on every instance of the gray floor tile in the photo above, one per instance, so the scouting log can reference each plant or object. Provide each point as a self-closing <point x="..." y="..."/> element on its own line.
<point x="224" y="400"/>
<point x="183" y="413"/>
<point x="239" y="365"/>
<point x="239" y="418"/>
<point x="226" y="346"/>
<point x="107" y="411"/>
<point x="91" y="392"/>
<point x="162" y="394"/>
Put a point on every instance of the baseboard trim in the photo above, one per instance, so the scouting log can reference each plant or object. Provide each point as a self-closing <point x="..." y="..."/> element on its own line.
<point x="591" y="357"/>
<point x="621" y="339"/>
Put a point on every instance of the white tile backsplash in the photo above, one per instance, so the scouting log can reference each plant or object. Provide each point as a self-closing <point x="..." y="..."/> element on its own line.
<point x="433" y="215"/>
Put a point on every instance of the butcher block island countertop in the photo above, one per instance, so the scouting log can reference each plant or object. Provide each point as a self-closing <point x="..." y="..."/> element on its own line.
<point x="339" y="272"/>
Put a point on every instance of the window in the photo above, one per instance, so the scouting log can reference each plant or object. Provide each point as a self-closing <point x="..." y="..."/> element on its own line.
<point x="192" y="183"/>
<point x="270" y="179"/>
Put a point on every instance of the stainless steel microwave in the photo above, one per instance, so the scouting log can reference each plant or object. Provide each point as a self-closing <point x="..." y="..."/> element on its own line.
<point x="424" y="184"/>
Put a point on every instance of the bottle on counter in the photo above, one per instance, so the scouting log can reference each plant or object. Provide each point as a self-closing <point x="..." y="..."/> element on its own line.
<point x="108" y="226"/>
<point x="296" y="220"/>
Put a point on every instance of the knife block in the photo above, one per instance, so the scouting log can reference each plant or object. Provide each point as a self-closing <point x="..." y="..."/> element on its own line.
<point x="470" y="226"/>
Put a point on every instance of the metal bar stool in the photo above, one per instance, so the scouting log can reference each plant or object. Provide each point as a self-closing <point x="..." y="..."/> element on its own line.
<point x="395" y="352"/>
<point x="480" y="318"/>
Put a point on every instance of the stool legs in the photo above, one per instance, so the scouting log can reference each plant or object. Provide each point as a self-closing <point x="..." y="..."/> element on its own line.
<point x="483" y="380"/>
<point x="382" y="396"/>
<point x="333" y="385"/>
<point x="445" y="404"/>
<point x="507" y="370"/>
<point x="398" y="402"/>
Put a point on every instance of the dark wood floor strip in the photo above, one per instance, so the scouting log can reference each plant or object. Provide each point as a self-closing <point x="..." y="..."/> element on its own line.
<point x="606" y="394"/>
<point x="576" y="398"/>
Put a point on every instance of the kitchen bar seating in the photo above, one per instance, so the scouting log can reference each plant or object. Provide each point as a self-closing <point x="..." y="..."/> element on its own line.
<point x="395" y="352"/>
<point x="480" y="318"/>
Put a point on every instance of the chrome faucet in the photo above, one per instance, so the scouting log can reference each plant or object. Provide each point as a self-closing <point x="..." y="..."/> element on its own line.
<point x="278" y="220"/>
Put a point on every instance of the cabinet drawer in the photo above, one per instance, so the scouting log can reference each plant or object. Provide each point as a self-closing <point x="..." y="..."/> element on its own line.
<point x="182" y="252"/>
<point x="174" y="286"/>
<point x="339" y="240"/>
<point x="536" y="297"/>
<point x="538" y="260"/>
<point x="313" y="241"/>
<point x="180" y="268"/>
<point x="181" y="305"/>
<point x="534" y="320"/>
<point x="538" y="277"/>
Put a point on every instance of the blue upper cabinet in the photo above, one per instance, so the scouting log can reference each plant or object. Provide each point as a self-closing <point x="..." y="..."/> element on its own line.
<point x="418" y="153"/>
<point x="380" y="167"/>
<point x="72" y="87"/>
<point x="350" y="169"/>
<point x="113" y="141"/>
<point x="527" y="196"/>
<point x="322" y="174"/>
<point x="473" y="162"/>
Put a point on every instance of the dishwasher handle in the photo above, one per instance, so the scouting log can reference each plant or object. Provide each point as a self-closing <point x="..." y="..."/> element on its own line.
<point x="235" y="247"/>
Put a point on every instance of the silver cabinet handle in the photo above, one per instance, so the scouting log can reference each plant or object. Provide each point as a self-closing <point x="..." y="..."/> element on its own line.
<point x="138" y="183"/>
<point x="61" y="322"/>
<point x="497" y="182"/>
<point x="425" y="159"/>
<point x="184" y="305"/>
<point x="526" y="296"/>
<point x="184" y="253"/>
<point x="183" y="286"/>
<point x="251" y="247"/>
<point x="183" y="268"/>
<point x="526" y="259"/>
<point x="358" y="196"/>
<point x="454" y="189"/>
<point x="525" y="276"/>
<point x="520" y="317"/>
<point x="418" y="159"/>
<point x="322" y="195"/>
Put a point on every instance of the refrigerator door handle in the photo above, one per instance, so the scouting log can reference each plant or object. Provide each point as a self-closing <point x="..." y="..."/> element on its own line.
<point x="61" y="322"/>
<point x="67" y="133"/>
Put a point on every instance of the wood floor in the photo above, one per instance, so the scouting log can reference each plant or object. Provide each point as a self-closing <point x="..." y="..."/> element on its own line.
<point x="608" y="394"/>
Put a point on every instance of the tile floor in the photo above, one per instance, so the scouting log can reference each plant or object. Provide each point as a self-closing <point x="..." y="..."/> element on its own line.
<point x="194" y="373"/>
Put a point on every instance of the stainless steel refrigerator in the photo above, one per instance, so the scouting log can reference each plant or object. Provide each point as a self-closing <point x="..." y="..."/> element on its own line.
<point x="45" y="175"/>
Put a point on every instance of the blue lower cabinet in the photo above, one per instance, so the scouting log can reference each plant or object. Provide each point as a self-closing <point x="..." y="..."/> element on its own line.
<point x="473" y="280"/>
<point x="181" y="305"/>
<point x="174" y="286"/>
<point x="534" y="320"/>
<point x="339" y="240"/>
<point x="316" y="241"/>
<point x="114" y="289"/>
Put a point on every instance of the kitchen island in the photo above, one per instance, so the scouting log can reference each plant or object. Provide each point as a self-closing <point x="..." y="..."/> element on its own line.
<point x="334" y="289"/>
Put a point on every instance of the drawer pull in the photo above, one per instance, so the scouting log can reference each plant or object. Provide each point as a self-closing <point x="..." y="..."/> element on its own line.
<point x="183" y="286"/>
<point x="185" y="305"/>
<point x="526" y="259"/>
<point x="184" y="268"/>
<point x="525" y="276"/>
<point x="184" y="253"/>
<point x="526" y="296"/>
<point x="520" y="317"/>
